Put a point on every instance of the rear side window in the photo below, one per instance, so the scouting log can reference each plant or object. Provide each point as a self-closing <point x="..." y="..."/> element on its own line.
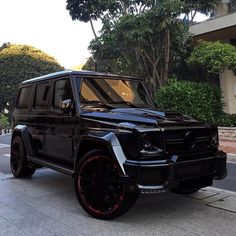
<point x="24" y="97"/>
<point x="41" y="96"/>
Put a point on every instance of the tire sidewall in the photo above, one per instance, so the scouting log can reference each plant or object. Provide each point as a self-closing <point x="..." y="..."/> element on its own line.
<point x="18" y="140"/>
<point x="24" y="169"/>
<point x="126" y="203"/>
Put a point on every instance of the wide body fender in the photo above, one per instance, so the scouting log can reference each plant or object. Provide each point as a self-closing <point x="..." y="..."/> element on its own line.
<point x="112" y="144"/>
<point x="22" y="130"/>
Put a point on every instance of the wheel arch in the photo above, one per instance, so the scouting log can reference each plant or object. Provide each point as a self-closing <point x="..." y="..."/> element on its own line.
<point x="108" y="142"/>
<point x="22" y="131"/>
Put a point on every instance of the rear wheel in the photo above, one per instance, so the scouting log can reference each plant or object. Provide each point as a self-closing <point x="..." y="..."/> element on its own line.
<point x="18" y="160"/>
<point x="99" y="188"/>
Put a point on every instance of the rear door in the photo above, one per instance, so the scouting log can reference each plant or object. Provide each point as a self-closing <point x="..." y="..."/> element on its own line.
<point x="38" y="117"/>
<point x="61" y="123"/>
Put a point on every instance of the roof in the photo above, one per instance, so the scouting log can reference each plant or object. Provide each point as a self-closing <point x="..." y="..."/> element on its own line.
<point x="79" y="73"/>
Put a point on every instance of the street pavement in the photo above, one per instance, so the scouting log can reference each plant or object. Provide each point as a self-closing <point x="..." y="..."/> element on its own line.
<point x="46" y="205"/>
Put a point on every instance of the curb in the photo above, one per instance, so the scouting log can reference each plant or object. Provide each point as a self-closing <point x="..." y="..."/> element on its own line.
<point x="231" y="157"/>
<point x="220" y="190"/>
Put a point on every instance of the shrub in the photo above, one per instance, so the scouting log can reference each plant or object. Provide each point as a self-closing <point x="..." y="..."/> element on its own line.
<point x="213" y="57"/>
<point x="227" y="120"/>
<point x="4" y="121"/>
<point x="199" y="100"/>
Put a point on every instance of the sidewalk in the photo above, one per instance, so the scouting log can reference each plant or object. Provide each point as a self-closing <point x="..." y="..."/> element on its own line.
<point x="46" y="205"/>
<point x="228" y="147"/>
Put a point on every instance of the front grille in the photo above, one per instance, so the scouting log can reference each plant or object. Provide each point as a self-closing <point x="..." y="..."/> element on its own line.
<point x="180" y="141"/>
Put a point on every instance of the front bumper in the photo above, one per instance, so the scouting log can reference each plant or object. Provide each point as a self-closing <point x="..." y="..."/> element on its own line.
<point x="162" y="175"/>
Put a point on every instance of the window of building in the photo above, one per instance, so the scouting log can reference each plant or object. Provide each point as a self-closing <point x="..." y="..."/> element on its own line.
<point x="41" y="96"/>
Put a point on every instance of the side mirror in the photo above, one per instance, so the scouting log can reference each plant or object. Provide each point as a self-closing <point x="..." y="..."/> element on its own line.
<point x="66" y="105"/>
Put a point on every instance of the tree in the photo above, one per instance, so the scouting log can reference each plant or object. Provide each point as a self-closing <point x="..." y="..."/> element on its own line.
<point x="192" y="7"/>
<point x="142" y="42"/>
<point x="18" y="63"/>
<point x="139" y="34"/>
<point x="213" y="58"/>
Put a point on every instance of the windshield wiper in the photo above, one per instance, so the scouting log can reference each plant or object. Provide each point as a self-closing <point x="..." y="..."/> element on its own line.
<point x="96" y="103"/>
<point x="126" y="103"/>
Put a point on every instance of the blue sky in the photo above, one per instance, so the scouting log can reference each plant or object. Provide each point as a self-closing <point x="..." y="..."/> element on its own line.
<point x="46" y="24"/>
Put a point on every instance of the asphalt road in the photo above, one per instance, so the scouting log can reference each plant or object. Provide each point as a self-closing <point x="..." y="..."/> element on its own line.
<point x="6" y="139"/>
<point x="228" y="183"/>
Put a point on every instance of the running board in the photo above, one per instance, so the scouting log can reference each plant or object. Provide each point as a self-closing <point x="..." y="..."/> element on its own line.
<point x="52" y="165"/>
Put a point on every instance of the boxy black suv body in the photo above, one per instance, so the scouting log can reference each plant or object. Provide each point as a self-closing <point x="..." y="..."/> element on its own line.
<point x="105" y="131"/>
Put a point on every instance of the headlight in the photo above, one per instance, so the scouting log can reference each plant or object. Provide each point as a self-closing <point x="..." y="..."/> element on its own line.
<point x="151" y="141"/>
<point x="147" y="141"/>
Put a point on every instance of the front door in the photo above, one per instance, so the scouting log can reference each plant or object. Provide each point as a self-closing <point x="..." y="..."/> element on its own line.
<point x="61" y="123"/>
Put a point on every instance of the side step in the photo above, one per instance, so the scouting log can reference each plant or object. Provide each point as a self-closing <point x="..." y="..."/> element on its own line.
<point x="52" y="165"/>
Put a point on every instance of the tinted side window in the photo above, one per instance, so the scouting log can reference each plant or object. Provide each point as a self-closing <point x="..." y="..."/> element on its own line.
<point x="24" y="97"/>
<point x="41" y="96"/>
<point x="62" y="91"/>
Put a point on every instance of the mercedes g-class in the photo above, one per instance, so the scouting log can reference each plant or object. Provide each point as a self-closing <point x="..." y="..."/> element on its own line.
<point x="105" y="131"/>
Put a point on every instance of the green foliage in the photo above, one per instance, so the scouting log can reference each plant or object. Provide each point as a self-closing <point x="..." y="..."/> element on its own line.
<point x="214" y="57"/>
<point x="4" y="121"/>
<point x="202" y="6"/>
<point x="140" y="37"/>
<point x="18" y="63"/>
<point x="143" y="44"/>
<point x="199" y="100"/>
<point x="227" y="120"/>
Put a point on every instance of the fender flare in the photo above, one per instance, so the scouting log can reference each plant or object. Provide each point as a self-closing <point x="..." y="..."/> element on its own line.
<point x="112" y="143"/>
<point x="23" y="131"/>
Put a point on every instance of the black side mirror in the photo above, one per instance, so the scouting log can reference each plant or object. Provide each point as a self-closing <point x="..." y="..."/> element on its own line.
<point x="66" y="105"/>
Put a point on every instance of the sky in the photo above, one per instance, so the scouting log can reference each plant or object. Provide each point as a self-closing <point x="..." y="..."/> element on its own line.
<point x="47" y="25"/>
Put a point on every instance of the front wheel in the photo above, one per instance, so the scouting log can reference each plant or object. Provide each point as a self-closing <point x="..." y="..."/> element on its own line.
<point x="99" y="188"/>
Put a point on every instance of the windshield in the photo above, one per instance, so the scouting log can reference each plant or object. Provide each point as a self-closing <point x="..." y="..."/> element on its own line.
<point x="114" y="92"/>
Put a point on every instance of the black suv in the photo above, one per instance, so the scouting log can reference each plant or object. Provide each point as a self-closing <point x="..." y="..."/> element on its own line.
<point x="105" y="132"/>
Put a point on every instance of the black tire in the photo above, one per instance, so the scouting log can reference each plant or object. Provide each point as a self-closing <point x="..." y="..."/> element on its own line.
<point x="185" y="191"/>
<point x="98" y="186"/>
<point x="18" y="159"/>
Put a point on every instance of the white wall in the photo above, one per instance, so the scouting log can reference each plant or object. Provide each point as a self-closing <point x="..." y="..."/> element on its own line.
<point x="228" y="86"/>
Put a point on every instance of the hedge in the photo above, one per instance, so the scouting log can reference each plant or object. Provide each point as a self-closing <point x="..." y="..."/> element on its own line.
<point x="4" y="121"/>
<point x="199" y="100"/>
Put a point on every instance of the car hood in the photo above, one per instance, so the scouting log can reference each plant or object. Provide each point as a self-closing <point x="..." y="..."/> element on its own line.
<point x="139" y="116"/>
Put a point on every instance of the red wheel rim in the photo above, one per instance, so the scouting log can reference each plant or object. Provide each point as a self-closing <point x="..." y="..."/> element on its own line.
<point x="99" y="185"/>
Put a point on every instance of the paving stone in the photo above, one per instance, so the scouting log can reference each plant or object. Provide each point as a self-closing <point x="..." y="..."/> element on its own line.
<point x="227" y="203"/>
<point x="12" y="231"/>
<point x="202" y="194"/>
<point x="46" y="205"/>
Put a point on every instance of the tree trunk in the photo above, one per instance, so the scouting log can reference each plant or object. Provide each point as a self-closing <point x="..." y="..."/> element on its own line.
<point x="167" y="58"/>
<point x="92" y="27"/>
